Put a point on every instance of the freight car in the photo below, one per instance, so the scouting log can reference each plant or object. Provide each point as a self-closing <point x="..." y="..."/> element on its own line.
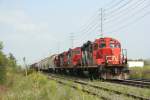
<point x="45" y="63"/>
<point x="103" y="58"/>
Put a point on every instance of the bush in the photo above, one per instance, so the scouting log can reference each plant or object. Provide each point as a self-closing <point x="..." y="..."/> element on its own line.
<point x="146" y="72"/>
<point x="6" y="63"/>
<point x="37" y="86"/>
<point x="3" y="61"/>
<point x="140" y="73"/>
<point x="2" y="75"/>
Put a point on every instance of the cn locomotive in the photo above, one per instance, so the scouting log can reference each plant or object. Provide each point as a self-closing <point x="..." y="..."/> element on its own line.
<point x="103" y="58"/>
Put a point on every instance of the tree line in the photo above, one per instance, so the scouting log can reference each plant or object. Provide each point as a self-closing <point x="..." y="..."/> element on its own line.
<point x="7" y="62"/>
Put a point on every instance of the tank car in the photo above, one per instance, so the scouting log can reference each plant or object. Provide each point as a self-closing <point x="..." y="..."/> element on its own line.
<point x="45" y="64"/>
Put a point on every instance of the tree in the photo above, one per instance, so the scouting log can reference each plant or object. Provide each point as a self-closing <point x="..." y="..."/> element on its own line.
<point x="3" y="61"/>
<point x="147" y="62"/>
<point x="1" y="45"/>
<point x="6" y="63"/>
<point x="12" y="61"/>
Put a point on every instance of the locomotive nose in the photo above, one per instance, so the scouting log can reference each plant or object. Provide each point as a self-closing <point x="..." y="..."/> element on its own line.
<point x="108" y="55"/>
<point x="113" y="58"/>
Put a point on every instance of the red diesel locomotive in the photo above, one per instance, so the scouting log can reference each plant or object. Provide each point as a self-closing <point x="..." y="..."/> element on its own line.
<point x="102" y="58"/>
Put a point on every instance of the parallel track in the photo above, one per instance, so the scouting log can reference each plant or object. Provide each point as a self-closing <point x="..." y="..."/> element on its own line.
<point x="84" y="83"/>
<point x="75" y="87"/>
<point x="136" y="83"/>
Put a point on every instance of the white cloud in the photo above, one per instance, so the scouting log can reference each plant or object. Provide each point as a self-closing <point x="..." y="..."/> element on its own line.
<point x="21" y="22"/>
<point x="26" y="37"/>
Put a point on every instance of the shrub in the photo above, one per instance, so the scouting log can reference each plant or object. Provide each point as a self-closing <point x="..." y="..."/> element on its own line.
<point x="6" y="63"/>
<point x="146" y="72"/>
<point x="37" y="86"/>
<point x="140" y="73"/>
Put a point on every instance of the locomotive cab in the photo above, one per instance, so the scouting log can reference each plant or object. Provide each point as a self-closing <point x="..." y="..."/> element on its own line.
<point x="115" y="48"/>
<point x="107" y="51"/>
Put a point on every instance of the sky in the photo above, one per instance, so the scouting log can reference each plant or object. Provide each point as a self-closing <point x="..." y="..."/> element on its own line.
<point x="36" y="29"/>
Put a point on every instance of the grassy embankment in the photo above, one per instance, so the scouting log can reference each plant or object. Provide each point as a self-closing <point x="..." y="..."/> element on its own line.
<point x="37" y="86"/>
<point x="140" y="73"/>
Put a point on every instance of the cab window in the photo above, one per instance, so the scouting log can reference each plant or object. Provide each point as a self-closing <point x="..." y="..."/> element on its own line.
<point x="117" y="45"/>
<point x="102" y="45"/>
<point x="112" y="45"/>
<point x="95" y="46"/>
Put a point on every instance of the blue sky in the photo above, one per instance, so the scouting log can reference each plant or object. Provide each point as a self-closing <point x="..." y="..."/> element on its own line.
<point x="38" y="28"/>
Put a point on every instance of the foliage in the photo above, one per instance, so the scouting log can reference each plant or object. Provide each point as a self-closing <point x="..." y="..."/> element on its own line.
<point x="5" y="64"/>
<point x="2" y="65"/>
<point x="113" y="86"/>
<point x="140" y="73"/>
<point x="146" y="72"/>
<point x="144" y="92"/>
<point x="37" y="86"/>
<point x="147" y="62"/>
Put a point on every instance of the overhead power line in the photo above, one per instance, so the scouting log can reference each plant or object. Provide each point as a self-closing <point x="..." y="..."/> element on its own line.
<point x="110" y="8"/>
<point x="98" y="24"/>
<point x="72" y="39"/>
<point x="110" y="13"/>
<point x="133" y="15"/>
<point x="118" y="15"/>
<point x="92" y="24"/>
<point x="130" y="23"/>
<point x="83" y="32"/>
<point x="92" y="31"/>
<point x="92" y="20"/>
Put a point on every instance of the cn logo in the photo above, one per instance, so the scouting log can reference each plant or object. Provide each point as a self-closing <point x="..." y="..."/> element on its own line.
<point x="113" y="58"/>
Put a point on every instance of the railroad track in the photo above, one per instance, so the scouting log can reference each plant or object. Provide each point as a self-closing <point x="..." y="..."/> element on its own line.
<point x="75" y="87"/>
<point x="62" y="80"/>
<point x="143" y="80"/>
<point x="136" y="83"/>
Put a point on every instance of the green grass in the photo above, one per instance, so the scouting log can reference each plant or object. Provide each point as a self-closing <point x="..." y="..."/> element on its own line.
<point x="138" y="72"/>
<point x="37" y="86"/>
<point x="112" y="86"/>
<point x="124" y="89"/>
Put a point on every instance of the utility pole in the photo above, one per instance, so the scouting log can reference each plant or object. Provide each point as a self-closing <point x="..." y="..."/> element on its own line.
<point x="58" y="47"/>
<point x="101" y="21"/>
<point x="25" y="65"/>
<point x="72" y="39"/>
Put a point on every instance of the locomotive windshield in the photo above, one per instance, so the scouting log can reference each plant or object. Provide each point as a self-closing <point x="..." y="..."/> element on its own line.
<point x="113" y="45"/>
<point x="102" y="45"/>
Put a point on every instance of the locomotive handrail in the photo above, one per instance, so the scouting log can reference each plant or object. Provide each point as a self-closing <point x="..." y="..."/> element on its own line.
<point x="124" y="56"/>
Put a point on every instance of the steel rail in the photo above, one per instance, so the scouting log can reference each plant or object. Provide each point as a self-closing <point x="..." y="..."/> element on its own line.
<point x="75" y="87"/>
<point x="103" y="88"/>
<point x="136" y="83"/>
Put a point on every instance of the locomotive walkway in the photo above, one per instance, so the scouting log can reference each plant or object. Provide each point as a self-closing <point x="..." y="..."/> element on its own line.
<point x="99" y="91"/>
